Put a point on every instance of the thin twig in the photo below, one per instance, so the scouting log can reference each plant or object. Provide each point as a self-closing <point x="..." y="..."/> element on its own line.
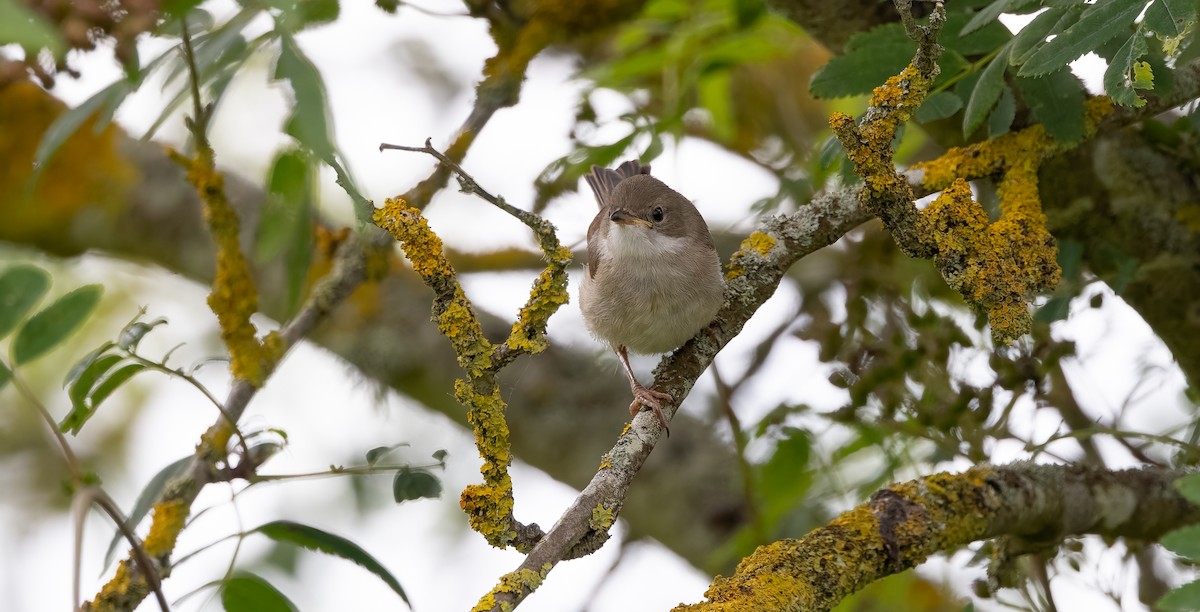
<point x="200" y="119"/>
<point x="96" y="495"/>
<point x="725" y="399"/>
<point x="467" y="184"/>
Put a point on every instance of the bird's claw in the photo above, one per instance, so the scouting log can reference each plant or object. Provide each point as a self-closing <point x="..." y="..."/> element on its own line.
<point x="653" y="400"/>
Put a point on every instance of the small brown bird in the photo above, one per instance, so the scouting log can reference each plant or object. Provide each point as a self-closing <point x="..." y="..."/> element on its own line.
<point x="653" y="276"/>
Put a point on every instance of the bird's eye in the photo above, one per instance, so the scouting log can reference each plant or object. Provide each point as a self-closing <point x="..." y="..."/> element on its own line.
<point x="657" y="215"/>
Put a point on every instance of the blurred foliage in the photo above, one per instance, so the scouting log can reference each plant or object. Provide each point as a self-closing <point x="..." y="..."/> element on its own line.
<point x="922" y="384"/>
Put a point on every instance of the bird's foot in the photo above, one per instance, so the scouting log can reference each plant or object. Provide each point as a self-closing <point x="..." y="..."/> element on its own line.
<point x="651" y="399"/>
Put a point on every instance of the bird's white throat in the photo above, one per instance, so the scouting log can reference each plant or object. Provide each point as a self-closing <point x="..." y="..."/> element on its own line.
<point x="637" y="242"/>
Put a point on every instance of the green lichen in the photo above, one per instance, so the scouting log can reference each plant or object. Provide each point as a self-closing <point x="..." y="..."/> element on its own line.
<point x="602" y="518"/>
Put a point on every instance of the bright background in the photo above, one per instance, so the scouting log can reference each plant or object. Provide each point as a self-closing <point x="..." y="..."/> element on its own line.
<point x="367" y="60"/>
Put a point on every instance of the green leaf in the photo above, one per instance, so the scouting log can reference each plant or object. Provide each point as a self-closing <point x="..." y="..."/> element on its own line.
<point x="1184" y="542"/>
<point x="379" y="452"/>
<point x="178" y="8"/>
<point x="55" y="323"/>
<point x="94" y="366"/>
<point x="199" y="21"/>
<point x="287" y="185"/>
<point x="21" y="25"/>
<point x="309" y="121"/>
<point x="21" y="288"/>
<point x="1100" y="23"/>
<point x="102" y="105"/>
<point x="82" y="408"/>
<point x="1002" y="116"/>
<point x="246" y="592"/>
<point x="870" y="58"/>
<point x="1048" y="22"/>
<point x="940" y="105"/>
<point x="1055" y="309"/>
<point x="1118" y="78"/>
<point x="299" y="14"/>
<point x="112" y="382"/>
<point x="986" y="93"/>
<point x="715" y="93"/>
<point x="953" y="66"/>
<point x="412" y="484"/>
<point x="146" y="500"/>
<point x="5" y="375"/>
<point x="1185" y="597"/>
<point x="1163" y="80"/>
<point x="1170" y="18"/>
<point x="1189" y="487"/>
<point x="1143" y="75"/>
<point x="287" y="220"/>
<point x="133" y="333"/>
<point x="785" y="476"/>
<point x="323" y="541"/>
<point x="1056" y="100"/>
<point x="1070" y="258"/>
<point x="983" y="40"/>
<point x="986" y="15"/>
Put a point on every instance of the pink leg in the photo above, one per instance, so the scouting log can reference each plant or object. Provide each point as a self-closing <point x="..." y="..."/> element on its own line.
<point x="641" y="395"/>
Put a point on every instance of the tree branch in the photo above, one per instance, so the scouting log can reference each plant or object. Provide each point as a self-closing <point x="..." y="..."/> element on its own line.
<point x="752" y="275"/>
<point x="905" y="523"/>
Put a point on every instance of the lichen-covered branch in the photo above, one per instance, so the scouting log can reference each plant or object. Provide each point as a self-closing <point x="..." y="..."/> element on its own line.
<point x="869" y="143"/>
<point x="234" y="297"/>
<point x="752" y="275"/>
<point x="129" y="585"/>
<point x="905" y="523"/>
<point x="998" y="267"/>
<point x="488" y="505"/>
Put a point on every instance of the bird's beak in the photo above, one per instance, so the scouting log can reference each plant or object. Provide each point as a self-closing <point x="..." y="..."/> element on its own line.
<point x="624" y="217"/>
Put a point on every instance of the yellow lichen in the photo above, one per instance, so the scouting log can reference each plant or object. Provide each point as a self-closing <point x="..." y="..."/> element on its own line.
<point x="87" y="173"/>
<point x="1190" y="216"/>
<point x="422" y="247"/>
<point x="215" y="441"/>
<point x="234" y="297"/>
<point x="122" y="592"/>
<point x="602" y="518"/>
<point x="549" y="291"/>
<point x="904" y="525"/>
<point x="520" y="581"/>
<point x="903" y="92"/>
<point x="168" y="521"/>
<point x="489" y="505"/>
<point x="759" y="242"/>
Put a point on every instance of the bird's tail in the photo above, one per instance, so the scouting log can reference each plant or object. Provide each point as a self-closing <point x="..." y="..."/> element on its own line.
<point x="603" y="180"/>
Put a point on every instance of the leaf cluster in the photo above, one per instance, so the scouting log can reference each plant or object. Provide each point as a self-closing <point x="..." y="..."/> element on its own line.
<point x="988" y="74"/>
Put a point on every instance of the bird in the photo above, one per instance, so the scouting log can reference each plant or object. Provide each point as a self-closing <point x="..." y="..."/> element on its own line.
<point x="653" y="277"/>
